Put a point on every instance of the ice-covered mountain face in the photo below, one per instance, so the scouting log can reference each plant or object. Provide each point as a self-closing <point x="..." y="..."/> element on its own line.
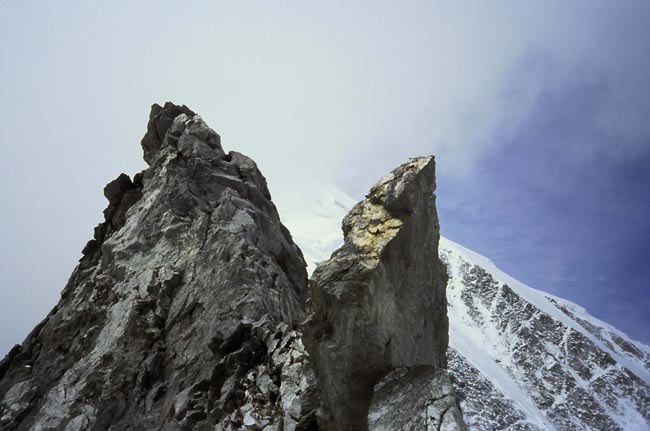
<point x="521" y="359"/>
<point x="527" y="360"/>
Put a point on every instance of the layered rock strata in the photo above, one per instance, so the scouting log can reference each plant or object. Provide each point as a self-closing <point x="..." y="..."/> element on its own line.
<point x="379" y="303"/>
<point x="182" y="310"/>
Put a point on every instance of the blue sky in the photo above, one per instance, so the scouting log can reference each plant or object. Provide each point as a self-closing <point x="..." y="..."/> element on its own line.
<point x="569" y="191"/>
<point x="572" y="225"/>
<point x="537" y="113"/>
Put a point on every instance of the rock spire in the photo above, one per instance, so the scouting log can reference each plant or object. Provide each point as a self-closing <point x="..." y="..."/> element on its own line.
<point x="379" y="305"/>
<point x="182" y="311"/>
<point x="186" y="309"/>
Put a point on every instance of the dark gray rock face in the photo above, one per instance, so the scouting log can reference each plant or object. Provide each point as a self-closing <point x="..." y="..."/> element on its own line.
<point x="379" y="303"/>
<point x="418" y="398"/>
<point x="184" y="310"/>
<point x="181" y="312"/>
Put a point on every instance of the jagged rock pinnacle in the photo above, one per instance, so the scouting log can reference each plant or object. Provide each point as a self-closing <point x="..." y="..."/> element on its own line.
<point x="160" y="120"/>
<point x="379" y="303"/>
<point x="182" y="311"/>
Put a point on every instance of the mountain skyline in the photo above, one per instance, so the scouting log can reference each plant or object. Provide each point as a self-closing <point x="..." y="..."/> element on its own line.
<point x="522" y="359"/>
<point x="536" y="113"/>
<point x="192" y="251"/>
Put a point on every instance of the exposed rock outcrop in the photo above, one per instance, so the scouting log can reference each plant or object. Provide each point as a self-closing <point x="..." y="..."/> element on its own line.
<point x="379" y="303"/>
<point x="184" y="311"/>
<point x="418" y="398"/>
<point x="181" y="313"/>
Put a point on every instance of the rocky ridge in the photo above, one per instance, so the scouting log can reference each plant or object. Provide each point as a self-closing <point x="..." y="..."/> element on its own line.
<point x="185" y="310"/>
<point x="378" y="304"/>
<point x="520" y="359"/>
<point x="182" y="310"/>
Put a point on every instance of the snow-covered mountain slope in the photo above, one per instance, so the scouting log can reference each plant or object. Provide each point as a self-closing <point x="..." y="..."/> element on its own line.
<point x="522" y="359"/>
<point x="547" y="363"/>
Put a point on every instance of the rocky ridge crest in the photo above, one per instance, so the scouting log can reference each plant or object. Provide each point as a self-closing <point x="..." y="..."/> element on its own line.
<point x="181" y="311"/>
<point x="185" y="310"/>
<point x="379" y="303"/>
